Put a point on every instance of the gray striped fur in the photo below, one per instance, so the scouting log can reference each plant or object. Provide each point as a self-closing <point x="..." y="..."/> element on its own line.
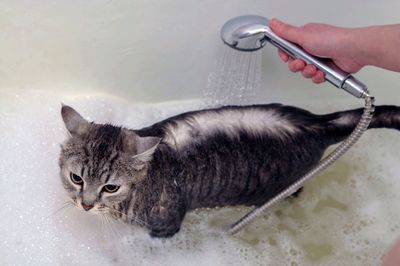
<point x="226" y="156"/>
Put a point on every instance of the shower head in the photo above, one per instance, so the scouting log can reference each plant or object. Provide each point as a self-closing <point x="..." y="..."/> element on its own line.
<point x="245" y="33"/>
<point x="251" y="32"/>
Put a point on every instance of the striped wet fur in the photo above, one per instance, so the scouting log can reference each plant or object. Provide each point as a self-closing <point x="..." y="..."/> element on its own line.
<point x="234" y="155"/>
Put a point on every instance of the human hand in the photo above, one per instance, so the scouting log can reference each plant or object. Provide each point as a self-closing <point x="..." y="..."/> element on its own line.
<point x="392" y="258"/>
<point x="321" y="40"/>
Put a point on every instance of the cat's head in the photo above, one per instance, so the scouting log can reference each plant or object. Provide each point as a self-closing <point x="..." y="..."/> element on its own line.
<point x="101" y="164"/>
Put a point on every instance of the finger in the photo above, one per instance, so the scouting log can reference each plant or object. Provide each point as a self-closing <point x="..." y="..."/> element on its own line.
<point x="309" y="71"/>
<point x="290" y="60"/>
<point x="284" y="56"/>
<point x="319" y="77"/>
<point x="286" y="31"/>
<point x="296" y="65"/>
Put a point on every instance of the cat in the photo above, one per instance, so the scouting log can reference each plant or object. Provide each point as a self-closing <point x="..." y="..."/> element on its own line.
<point x="233" y="155"/>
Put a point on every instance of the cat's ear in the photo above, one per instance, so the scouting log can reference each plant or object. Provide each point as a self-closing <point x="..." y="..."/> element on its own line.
<point x="146" y="146"/>
<point x="74" y="122"/>
<point x="142" y="148"/>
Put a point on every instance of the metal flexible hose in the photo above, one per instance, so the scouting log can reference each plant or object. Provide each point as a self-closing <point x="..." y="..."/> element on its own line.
<point x="362" y="126"/>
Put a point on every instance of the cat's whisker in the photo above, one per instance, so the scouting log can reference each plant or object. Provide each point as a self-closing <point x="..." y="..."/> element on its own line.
<point x="106" y="225"/>
<point x="74" y="203"/>
<point x="64" y="206"/>
<point x="101" y="220"/>
<point x="103" y="224"/>
<point x="113" y="225"/>
<point x="135" y="219"/>
<point x="112" y="229"/>
<point x="139" y="221"/>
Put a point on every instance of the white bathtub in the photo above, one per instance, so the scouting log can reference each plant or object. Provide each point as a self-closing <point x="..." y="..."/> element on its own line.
<point x="135" y="62"/>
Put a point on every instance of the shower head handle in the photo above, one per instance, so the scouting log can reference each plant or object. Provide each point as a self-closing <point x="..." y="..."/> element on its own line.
<point x="333" y="74"/>
<point x="250" y="33"/>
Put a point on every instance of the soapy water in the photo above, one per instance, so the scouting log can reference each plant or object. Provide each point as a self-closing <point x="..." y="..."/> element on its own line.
<point x="346" y="216"/>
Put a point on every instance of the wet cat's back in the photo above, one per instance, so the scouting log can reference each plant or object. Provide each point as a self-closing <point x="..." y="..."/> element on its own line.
<point x="235" y="155"/>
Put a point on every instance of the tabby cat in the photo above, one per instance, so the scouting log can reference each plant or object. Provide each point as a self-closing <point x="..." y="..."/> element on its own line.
<point x="217" y="157"/>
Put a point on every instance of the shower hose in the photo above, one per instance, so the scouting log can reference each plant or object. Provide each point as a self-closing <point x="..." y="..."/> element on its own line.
<point x="362" y="125"/>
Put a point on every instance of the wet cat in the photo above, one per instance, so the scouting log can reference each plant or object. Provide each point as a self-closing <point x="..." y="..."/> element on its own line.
<point x="217" y="157"/>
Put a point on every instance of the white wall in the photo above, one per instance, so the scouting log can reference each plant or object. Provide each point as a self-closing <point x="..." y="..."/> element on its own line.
<point x="162" y="50"/>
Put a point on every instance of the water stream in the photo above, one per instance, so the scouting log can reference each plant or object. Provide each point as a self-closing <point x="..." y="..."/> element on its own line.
<point x="235" y="79"/>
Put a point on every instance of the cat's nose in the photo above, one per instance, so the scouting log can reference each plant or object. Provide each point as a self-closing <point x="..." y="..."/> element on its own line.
<point x="86" y="207"/>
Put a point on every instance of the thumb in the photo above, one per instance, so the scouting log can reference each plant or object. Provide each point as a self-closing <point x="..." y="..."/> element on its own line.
<point x="286" y="31"/>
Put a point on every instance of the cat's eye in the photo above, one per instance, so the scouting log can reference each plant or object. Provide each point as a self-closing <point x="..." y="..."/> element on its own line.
<point x="110" y="188"/>
<point x="76" y="179"/>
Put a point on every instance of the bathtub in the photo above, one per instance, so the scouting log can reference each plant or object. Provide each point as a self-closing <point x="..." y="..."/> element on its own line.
<point x="133" y="63"/>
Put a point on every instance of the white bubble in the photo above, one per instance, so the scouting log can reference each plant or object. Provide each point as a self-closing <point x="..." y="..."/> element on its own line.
<point x="348" y="215"/>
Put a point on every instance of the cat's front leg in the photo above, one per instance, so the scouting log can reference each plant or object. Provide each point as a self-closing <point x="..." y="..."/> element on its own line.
<point x="164" y="232"/>
<point x="166" y="215"/>
<point x="165" y="221"/>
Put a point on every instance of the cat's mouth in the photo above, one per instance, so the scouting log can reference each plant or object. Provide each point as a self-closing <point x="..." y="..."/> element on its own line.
<point x="86" y="207"/>
<point x="95" y="208"/>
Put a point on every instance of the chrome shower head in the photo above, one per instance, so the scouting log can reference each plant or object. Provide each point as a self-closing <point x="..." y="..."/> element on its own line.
<point x="251" y="32"/>
<point x="245" y="33"/>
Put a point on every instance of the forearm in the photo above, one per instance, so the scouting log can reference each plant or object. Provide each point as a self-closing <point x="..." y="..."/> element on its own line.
<point x="377" y="45"/>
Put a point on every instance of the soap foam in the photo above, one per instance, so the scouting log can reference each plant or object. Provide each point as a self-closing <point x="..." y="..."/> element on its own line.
<point x="346" y="216"/>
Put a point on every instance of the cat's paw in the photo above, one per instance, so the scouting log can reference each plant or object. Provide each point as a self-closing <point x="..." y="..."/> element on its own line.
<point x="163" y="233"/>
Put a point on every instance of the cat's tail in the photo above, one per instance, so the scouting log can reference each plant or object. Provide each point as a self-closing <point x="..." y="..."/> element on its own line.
<point x="340" y="125"/>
